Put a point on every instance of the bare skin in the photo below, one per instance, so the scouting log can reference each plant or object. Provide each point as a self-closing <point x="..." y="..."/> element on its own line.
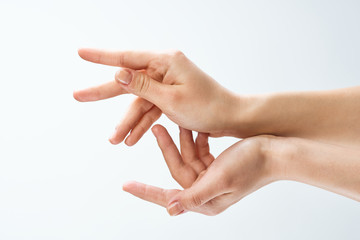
<point x="170" y="83"/>
<point x="212" y="185"/>
<point x="163" y="85"/>
<point x="310" y="137"/>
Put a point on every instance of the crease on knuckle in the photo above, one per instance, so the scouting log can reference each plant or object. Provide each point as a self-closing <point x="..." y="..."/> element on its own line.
<point x="120" y="60"/>
<point x="142" y="128"/>
<point x="193" y="201"/>
<point x="142" y="83"/>
<point x="157" y="68"/>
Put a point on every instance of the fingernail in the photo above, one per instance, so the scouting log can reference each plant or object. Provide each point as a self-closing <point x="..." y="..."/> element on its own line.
<point x="124" y="76"/>
<point x="175" y="209"/>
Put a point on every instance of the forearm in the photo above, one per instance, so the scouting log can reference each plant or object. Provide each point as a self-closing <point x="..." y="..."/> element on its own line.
<point x="331" y="167"/>
<point x="332" y="116"/>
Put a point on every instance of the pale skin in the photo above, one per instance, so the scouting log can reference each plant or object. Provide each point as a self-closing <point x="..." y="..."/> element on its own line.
<point x="317" y="141"/>
<point x="212" y="185"/>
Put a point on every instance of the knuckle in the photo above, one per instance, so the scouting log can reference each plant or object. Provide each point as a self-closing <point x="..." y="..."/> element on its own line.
<point x="155" y="115"/>
<point x="147" y="120"/>
<point x="192" y="201"/>
<point x="142" y="83"/>
<point x="142" y="128"/>
<point x="120" y="60"/>
<point x="157" y="68"/>
<point x="176" y="55"/>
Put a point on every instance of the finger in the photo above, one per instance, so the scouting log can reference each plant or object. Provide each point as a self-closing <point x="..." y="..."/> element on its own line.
<point x="202" y="144"/>
<point x="187" y="145"/>
<point x="103" y="91"/>
<point x="188" y="150"/>
<point x="142" y="85"/>
<point x="150" y="193"/>
<point x="203" y="148"/>
<point x="130" y="59"/>
<point x="207" y="188"/>
<point x="182" y="173"/>
<point x="136" y="111"/>
<point x="143" y="125"/>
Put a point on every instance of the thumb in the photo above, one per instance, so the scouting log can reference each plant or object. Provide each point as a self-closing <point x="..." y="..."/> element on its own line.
<point x="142" y="85"/>
<point x="193" y="198"/>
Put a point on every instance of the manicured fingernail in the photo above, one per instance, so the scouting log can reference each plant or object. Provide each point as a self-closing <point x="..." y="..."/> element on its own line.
<point x="124" y="76"/>
<point x="175" y="209"/>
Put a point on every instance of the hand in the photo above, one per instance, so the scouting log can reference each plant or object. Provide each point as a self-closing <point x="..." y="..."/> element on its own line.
<point x="210" y="185"/>
<point x="168" y="83"/>
<point x="195" y="101"/>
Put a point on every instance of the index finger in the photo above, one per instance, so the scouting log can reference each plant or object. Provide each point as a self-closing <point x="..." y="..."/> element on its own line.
<point x="130" y="59"/>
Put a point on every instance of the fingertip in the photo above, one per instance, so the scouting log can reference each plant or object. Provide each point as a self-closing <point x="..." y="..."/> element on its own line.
<point x="89" y="54"/>
<point x="124" y="187"/>
<point x="129" y="142"/>
<point x="81" y="52"/>
<point x="153" y="131"/>
<point x="127" y="186"/>
<point x="85" y="95"/>
<point x="157" y="129"/>
<point x="76" y="96"/>
<point x="113" y="138"/>
<point x="112" y="141"/>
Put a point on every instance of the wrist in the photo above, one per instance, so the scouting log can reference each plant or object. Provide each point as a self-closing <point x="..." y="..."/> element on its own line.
<point x="244" y="118"/>
<point x="278" y="153"/>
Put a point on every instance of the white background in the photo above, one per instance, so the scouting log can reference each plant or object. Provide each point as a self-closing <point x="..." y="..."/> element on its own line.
<point x="61" y="179"/>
